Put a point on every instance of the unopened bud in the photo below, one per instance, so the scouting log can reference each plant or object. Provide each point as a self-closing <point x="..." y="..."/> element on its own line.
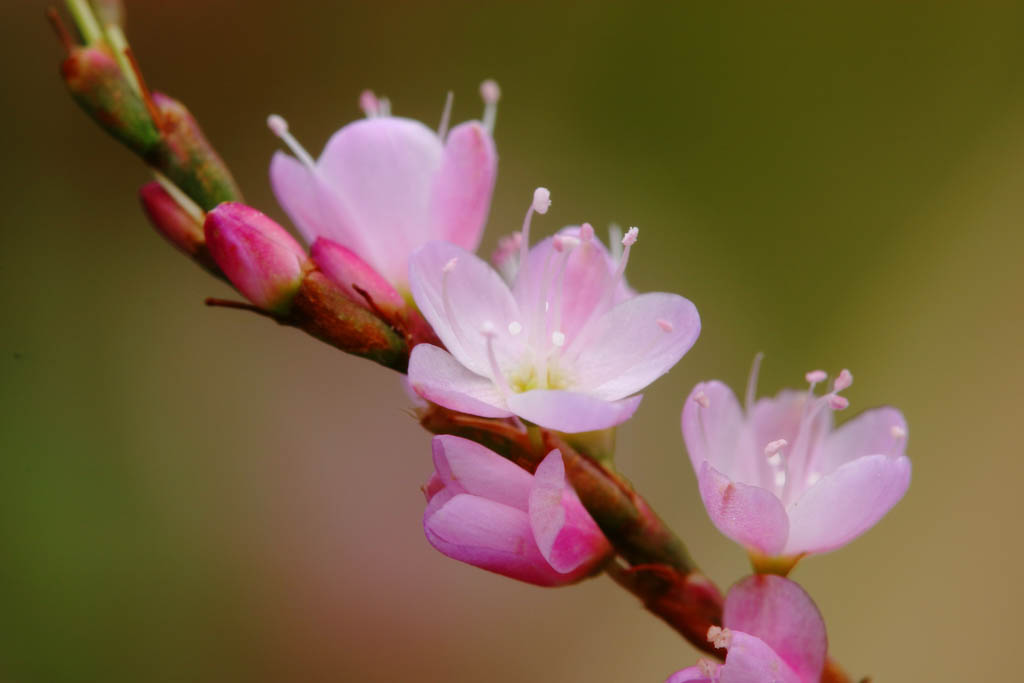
<point x="188" y="159"/>
<point x="177" y="225"/>
<point x="357" y="279"/>
<point x="260" y="258"/>
<point x="100" y="87"/>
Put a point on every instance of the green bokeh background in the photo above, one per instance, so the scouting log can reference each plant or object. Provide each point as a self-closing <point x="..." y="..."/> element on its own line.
<point x="190" y="494"/>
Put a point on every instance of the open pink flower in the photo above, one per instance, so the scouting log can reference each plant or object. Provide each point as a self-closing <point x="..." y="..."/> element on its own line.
<point x="780" y="481"/>
<point x="386" y="185"/>
<point x="773" y="632"/>
<point x="566" y="346"/>
<point x="488" y="512"/>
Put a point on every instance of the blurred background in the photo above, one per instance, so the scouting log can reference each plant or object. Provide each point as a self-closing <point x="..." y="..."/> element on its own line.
<point x="191" y="494"/>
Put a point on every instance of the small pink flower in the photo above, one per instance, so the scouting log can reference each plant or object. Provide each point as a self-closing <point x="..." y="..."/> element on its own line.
<point x="565" y="347"/>
<point x="773" y="632"/>
<point x="386" y="185"/>
<point x="779" y="480"/>
<point x="488" y="512"/>
<point x="260" y="258"/>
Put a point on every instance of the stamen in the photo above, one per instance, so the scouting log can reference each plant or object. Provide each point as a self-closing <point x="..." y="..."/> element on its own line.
<point x="369" y="103"/>
<point x="815" y="376"/>
<point x="665" y="325"/>
<point x="279" y="127"/>
<point x="442" y="129"/>
<point x="558" y="338"/>
<point x="836" y="402"/>
<point x="615" y="241"/>
<point x="515" y="327"/>
<point x="755" y="372"/>
<point x="702" y="399"/>
<point x="773" y="447"/>
<point x="487" y="329"/>
<point x="843" y="381"/>
<point x="708" y="669"/>
<point x="586" y="232"/>
<point x="719" y="637"/>
<point x="898" y="432"/>
<point x="541" y="203"/>
<point x="385" y="106"/>
<point x="490" y="93"/>
<point x="506" y="256"/>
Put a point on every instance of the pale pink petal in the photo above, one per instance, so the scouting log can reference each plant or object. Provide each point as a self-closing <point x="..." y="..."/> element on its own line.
<point x="463" y="186"/>
<point x="692" y="674"/>
<point x="567" y="411"/>
<point x="846" y="503"/>
<point x="489" y="535"/>
<point x="635" y="343"/>
<point x="295" y="189"/>
<point x="749" y="515"/>
<point x="750" y="660"/>
<point x="435" y="375"/>
<point x="779" y="613"/>
<point x="465" y="466"/>
<point x="881" y="431"/>
<point x="460" y="295"/>
<point x="712" y="422"/>
<point x="567" y="536"/>
<point x="382" y="171"/>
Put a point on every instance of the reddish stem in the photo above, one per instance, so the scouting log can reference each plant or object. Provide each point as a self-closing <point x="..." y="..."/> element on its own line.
<point x="63" y="35"/>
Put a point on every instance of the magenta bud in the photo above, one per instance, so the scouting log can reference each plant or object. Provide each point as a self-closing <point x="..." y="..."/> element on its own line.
<point x="260" y="258"/>
<point x="357" y="279"/>
<point x="177" y="225"/>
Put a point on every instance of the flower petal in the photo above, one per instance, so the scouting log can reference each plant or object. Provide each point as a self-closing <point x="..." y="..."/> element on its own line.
<point x="846" y="503"/>
<point x="294" y="187"/>
<point x="692" y="674"/>
<point x="465" y="466"/>
<point x="491" y="536"/>
<point x="873" y="432"/>
<point x="712" y="422"/>
<point x="636" y="342"/>
<point x="436" y="376"/>
<point x="778" y="613"/>
<point x="750" y="515"/>
<point x="382" y="172"/>
<point x="751" y="660"/>
<point x="571" y="412"/>
<point x="464" y="184"/>
<point x="567" y="536"/>
<point x="458" y="299"/>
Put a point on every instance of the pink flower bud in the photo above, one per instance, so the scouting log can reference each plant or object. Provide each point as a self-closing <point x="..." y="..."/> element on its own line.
<point x="176" y="224"/>
<point x="357" y="279"/>
<point x="260" y="258"/>
<point x="486" y="511"/>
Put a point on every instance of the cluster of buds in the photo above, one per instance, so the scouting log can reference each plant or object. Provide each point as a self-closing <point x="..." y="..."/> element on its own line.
<point x="523" y="369"/>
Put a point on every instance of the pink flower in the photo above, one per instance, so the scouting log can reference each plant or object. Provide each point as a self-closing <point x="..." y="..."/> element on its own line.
<point x="386" y="185"/>
<point x="564" y="347"/>
<point x="260" y="258"/>
<point x="773" y="632"/>
<point x="488" y="512"/>
<point x="780" y="481"/>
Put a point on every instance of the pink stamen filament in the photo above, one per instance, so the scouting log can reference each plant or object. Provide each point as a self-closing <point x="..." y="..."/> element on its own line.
<point x="499" y="377"/>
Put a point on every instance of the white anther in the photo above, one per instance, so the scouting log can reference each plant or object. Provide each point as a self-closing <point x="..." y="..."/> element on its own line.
<point x="541" y="200"/>
<point x="491" y="93"/>
<point x="629" y="239"/>
<point x="773" y="447"/>
<point x="719" y="637"/>
<point x="450" y="266"/>
<point x="702" y="399"/>
<point x="844" y="380"/>
<point x="514" y="328"/>
<point x="665" y="325"/>
<point x="558" y="338"/>
<point x="279" y="127"/>
<point x="487" y="329"/>
<point x="815" y="376"/>
<point x="898" y="432"/>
